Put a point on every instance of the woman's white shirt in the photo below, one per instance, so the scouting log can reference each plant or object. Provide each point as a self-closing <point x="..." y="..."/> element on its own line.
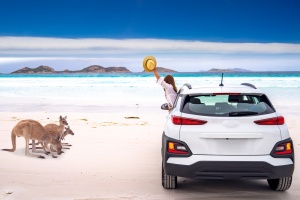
<point x="169" y="91"/>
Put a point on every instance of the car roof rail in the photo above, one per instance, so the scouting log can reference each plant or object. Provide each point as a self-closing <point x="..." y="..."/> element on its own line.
<point x="189" y="86"/>
<point x="249" y="85"/>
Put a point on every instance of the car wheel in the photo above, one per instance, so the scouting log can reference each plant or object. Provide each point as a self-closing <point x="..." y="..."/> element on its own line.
<point x="280" y="184"/>
<point x="168" y="181"/>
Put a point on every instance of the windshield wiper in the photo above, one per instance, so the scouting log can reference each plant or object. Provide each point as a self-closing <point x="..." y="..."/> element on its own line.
<point x="242" y="113"/>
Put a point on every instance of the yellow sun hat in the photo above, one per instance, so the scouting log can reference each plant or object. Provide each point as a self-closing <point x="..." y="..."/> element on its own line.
<point x="149" y="63"/>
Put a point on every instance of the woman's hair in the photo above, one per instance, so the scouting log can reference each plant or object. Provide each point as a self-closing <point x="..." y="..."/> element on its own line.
<point x="170" y="80"/>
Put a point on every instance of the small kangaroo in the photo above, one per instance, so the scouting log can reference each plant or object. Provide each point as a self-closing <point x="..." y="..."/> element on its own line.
<point x="52" y="129"/>
<point x="55" y="130"/>
<point x="68" y="131"/>
<point x="32" y="130"/>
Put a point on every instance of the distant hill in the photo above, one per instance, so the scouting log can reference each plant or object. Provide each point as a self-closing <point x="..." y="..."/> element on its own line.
<point x="163" y="70"/>
<point x="100" y="69"/>
<point x="117" y="70"/>
<point x="66" y="71"/>
<point x="90" y="69"/>
<point x="228" y="70"/>
<point x="240" y="70"/>
<point x="38" y="70"/>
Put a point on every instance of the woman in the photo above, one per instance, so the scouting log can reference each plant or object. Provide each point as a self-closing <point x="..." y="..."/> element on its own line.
<point x="169" y="86"/>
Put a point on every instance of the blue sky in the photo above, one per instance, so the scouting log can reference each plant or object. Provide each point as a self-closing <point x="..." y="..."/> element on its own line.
<point x="185" y="35"/>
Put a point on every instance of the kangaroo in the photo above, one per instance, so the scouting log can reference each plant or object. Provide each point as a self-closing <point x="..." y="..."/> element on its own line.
<point x="52" y="129"/>
<point x="59" y="130"/>
<point x="32" y="130"/>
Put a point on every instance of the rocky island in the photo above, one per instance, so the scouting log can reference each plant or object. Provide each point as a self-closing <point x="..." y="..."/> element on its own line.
<point x="163" y="70"/>
<point x="228" y="70"/>
<point x="90" y="69"/>
<point x="99" y="69"/>
<point x="38" y="70"/>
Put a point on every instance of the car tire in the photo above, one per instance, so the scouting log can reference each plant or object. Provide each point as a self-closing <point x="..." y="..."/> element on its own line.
<point x="280" y="184"/>
<point x="168" y="181"/>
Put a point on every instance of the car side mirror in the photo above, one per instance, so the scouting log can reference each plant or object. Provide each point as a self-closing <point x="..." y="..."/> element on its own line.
<point x="165" y="106"/>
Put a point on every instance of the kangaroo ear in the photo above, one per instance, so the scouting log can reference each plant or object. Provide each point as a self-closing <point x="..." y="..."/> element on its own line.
<point x="60" y="117"/>
<point x="65" y="117"/>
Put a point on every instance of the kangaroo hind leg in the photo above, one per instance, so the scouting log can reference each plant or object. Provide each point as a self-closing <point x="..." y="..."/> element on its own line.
<point x="27" y="153"/>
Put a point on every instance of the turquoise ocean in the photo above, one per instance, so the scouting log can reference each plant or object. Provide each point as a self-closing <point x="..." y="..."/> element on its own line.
<point x="105" y="92"/>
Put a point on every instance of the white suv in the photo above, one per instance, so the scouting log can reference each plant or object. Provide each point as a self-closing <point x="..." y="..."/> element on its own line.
<point x="226" y="132"/>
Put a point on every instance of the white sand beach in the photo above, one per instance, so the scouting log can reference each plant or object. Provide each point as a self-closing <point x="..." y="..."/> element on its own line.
<point x="115" y="152"/>
<point x="115" y="156"/>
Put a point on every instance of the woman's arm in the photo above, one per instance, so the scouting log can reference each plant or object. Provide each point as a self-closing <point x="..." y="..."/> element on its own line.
<point x="161" y="81"/>
<point x="156" y="74"/>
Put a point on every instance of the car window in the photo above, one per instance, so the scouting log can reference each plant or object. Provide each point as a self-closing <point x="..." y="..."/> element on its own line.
<point x="227" y="105"/>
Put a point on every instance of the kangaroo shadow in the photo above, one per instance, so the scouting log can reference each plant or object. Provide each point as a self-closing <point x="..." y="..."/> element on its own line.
<point x="20" y="152"/>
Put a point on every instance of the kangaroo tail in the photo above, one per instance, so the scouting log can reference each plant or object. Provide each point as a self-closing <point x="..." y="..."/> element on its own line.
<point x="13" y="141"/>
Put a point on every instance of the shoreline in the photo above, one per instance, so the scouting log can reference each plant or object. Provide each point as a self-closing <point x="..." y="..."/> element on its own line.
<point x="149" y="73"/>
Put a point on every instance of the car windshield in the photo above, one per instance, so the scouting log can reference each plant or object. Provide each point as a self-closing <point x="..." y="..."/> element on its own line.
<point x="236" y="105"/>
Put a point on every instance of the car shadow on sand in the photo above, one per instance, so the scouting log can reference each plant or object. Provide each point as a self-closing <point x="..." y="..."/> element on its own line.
<point x="192" y="189"/>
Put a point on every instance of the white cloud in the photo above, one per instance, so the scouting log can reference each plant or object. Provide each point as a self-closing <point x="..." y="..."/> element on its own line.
<point x="62" y="46"/>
